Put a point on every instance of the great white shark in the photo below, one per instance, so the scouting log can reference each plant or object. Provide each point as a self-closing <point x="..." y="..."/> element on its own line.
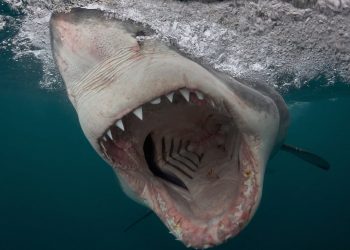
<point x="186" y="141"/>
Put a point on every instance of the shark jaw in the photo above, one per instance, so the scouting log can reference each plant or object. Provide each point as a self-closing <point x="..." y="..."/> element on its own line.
<point x="183" y="156"/>
<point x="185" y="141"/>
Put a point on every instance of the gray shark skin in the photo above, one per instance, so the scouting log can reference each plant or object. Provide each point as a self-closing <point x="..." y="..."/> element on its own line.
<point x="187" y="142"/>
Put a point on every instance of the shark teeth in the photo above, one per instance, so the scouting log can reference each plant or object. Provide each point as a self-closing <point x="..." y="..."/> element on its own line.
<point x="199" y="95"/>
<point x="138" y="113"/>
<point x="170" y="96"/>
<point x="186" y="94"/>
<point x="156" y="101"/>
<point x="109" y="134"/>
<point x="120" y="124"/>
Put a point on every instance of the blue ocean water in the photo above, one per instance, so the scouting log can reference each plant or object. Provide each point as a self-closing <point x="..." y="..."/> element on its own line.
<point x="56" y="193"/>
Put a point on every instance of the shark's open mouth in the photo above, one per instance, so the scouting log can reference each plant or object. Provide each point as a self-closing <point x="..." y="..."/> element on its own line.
<point x="185" y="157"/>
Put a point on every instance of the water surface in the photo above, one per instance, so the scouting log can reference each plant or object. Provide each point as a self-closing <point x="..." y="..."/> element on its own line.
<point x="56" y="193"/>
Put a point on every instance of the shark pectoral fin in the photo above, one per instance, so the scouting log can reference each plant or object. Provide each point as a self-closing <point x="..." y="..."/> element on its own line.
<point x="307" y="156"/>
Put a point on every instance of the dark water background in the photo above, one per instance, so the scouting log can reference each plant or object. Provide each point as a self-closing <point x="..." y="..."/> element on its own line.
<point x="56" y="193"/>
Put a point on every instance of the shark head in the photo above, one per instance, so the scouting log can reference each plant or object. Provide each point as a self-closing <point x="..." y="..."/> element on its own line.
<point x="187" y="142"/>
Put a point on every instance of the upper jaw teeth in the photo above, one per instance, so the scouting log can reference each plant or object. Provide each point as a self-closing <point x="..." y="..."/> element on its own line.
<point x="170" y="96"/>
<point x="199" y="95"/>
<point x="156" y="101"/>
<point x="139" y="112"/>
<point x="120" y="124"/>
<point x="186" y="94"/>
<point x="109" y="134"/>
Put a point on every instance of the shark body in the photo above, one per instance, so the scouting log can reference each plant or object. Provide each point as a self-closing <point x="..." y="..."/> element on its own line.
<point x="188" y="142"/>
